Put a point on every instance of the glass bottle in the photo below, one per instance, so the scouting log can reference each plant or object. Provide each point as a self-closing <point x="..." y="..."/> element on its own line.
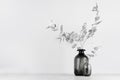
<point x="81" y="64"/>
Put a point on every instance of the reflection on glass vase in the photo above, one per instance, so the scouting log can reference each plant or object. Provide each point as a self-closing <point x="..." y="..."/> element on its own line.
<point x="81" y="64"/>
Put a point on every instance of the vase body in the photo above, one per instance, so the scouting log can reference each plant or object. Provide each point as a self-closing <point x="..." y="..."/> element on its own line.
<point x="81" y="64"/>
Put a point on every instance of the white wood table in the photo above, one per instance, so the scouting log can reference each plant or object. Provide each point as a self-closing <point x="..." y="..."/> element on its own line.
<point x="58" y="77"/>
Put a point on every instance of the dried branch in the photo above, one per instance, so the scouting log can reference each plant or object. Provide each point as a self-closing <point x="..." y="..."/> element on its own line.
<point x="81" y="38"/>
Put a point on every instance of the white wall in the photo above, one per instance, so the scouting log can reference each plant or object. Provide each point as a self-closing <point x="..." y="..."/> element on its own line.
<point x="27" y="47"/>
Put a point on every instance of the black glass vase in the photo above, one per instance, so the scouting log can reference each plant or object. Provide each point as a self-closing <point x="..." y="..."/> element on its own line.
<point x="81" y="64"/>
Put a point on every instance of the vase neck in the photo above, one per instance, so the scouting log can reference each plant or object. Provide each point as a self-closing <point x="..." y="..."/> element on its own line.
<point x="81" y="51"/>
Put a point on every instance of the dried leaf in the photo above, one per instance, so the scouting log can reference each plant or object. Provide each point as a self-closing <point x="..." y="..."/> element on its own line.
<point x="84" y="26"/>
<point x="93" y="52"/>
<point x="83" y="35"/>
<point x="90" y="55"/>
<point x="74" y="36"/>
<point x="96" y="48"/>
<point x="53" y="27"/>
<point x="96" y="23"/>
<point x="59" y="38"/>
<point x="61" y="29"/>
<point x="83" y="32"/>
<point x="97" y="18"/>
<point x="79" y="48"/>
<point x="71" y="41"/>
<point x="95" y="8"/>
<point x="91" y="32"/>
<point x="74" y="45"/>
<point x="67" y="37"/>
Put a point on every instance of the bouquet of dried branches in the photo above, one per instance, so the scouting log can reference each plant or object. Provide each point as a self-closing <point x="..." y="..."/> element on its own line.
<point x="79" y="39"/>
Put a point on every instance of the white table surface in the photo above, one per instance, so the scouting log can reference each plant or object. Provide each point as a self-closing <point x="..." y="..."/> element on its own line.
<point x="58" y="77"/>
